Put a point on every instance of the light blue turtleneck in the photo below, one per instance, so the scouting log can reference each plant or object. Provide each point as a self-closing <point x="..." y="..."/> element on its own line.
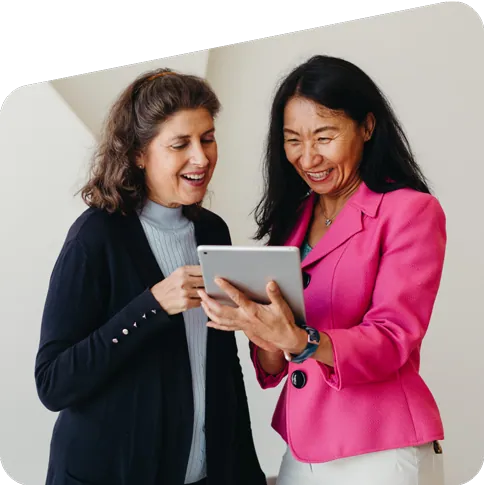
<point x="172" y="239"/>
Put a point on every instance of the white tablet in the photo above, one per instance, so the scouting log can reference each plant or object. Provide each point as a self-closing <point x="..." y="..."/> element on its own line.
<point x="250" y="269"/>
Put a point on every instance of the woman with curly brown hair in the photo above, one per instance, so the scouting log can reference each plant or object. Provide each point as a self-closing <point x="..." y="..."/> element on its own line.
<point x="147" y="394"/>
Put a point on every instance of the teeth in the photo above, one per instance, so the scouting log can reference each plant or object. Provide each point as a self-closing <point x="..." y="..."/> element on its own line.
<point x="319" y="175"/>
<point x="195" y="177"/>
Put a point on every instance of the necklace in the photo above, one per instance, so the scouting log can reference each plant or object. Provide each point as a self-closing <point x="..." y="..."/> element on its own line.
<point x="327" y="220"/>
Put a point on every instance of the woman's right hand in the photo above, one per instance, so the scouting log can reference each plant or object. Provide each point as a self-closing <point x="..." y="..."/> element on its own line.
<point x="262" y="344"/>
<point x="178" y="292"/>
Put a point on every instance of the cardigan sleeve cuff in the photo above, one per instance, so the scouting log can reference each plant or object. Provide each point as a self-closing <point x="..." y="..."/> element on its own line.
<point x="141" y="318"/>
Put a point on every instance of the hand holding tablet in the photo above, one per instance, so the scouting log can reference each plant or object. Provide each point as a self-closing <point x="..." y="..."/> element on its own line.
<point x="250" y="269"/>
<point x="256" y="290"/>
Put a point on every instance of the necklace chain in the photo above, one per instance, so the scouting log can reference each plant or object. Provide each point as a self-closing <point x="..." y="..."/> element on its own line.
<point x="327" y="220"/>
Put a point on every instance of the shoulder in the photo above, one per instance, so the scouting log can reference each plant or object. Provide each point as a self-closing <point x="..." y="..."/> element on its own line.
<point x="407" y="204"/>
<point x="411" y="218"/>
<point x="209" y="220"/>
<point x="93" y="229"/>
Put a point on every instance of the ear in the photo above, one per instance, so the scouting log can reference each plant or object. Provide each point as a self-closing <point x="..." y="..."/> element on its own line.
<point x="140" y="162"/>
<point x="369" y="126"/>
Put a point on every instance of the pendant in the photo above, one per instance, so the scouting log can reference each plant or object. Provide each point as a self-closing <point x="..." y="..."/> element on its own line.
<point x="328" y="222"/>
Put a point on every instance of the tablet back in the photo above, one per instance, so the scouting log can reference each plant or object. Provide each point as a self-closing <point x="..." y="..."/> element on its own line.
<point x="250" y="269"/>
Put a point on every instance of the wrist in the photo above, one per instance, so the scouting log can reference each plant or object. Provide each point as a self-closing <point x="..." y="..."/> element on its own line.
<point x="271" y="354"/>
<point x="298" y="356"/>
<point x="298" y="341"/>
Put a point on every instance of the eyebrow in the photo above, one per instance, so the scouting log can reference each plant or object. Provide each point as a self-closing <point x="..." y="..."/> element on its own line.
<point x="315" y="132"/>
<point x="186" y="137"/>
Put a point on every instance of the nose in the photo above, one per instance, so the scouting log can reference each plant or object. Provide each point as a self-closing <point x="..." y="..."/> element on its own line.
<point x="199" y="157"/>
<point x="309" y="157"/>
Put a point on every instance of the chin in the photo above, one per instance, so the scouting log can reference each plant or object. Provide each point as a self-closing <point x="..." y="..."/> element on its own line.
<point x="321" y="191"/>
<point x="194" y="200"/>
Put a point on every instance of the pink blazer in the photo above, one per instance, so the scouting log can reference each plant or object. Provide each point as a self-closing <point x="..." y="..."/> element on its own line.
<point x="374" y="278"/>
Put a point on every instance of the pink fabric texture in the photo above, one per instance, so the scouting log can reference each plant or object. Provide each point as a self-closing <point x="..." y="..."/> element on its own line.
<point x="374" y="280"/>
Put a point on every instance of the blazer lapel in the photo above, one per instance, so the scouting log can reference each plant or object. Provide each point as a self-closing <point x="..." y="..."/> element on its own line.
<point x="345" y="226"/>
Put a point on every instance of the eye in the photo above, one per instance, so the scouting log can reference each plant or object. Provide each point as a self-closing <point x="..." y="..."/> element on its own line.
<point x="324" y="140"/>
<point x="207" y="141"/>
<point x="180" y="146"/>
<point x="292" y="141"/>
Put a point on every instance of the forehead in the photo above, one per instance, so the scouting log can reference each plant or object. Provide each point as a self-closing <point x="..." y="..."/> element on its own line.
<point x="302" y="111"/>
<point x="187" y="122"/>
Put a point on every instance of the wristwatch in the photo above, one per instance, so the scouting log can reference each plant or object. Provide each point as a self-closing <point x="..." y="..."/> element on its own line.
<point x="311" y="346"/>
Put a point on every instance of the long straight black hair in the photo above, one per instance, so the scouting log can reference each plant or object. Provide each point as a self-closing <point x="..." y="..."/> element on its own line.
<point x="388" y="163"/>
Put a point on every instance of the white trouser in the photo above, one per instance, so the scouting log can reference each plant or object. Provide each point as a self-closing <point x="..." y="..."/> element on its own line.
<point x="416" y="465"/>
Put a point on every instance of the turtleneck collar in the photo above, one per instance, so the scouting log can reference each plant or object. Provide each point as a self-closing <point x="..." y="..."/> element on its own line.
<point x="163" y="217"/>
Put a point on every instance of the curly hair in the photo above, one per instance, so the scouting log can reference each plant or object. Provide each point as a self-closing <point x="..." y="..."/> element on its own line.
<point x="115" y="182"/>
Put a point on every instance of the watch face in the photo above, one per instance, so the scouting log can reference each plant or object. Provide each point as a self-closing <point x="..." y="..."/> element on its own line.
<point x="313" y="335"/>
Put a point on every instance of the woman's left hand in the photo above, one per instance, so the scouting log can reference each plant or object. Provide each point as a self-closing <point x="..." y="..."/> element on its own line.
<point x="273" y="323"/>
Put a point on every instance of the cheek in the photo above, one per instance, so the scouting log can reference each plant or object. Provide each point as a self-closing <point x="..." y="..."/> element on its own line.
<point x="212" y="153"/>
<point x="343" y="156"/>
<point x="354" y="155"/>
<point x="292" y="154"/>
<point x="163" y="169"/>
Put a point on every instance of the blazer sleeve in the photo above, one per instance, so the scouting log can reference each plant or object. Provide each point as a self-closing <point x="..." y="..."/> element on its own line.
<point x="265" y="380"/>
<point x="411" y="264"/>
<point x="79" y="350"/>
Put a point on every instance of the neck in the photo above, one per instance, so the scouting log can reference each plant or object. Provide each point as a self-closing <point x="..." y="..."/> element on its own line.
<point x="162" y="216"/>
<point x="164" y="203"/>
<point x="333" y="203"/>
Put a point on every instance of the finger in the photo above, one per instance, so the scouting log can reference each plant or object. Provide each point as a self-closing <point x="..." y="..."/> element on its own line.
<point x="216" y="326"/>
<point x="221" y="326"/>
<point x="203" y="295"/>
<point x="193" y="303"/>
<point x="193" y="270"/>
<point x="274" y="294"/>
<point x="211" y="303"/>
<point x="219" y="319"/>
<point x="211" y="313"/>
<point x="233" y="293"/>
<point x="218" y="311"/>
<point x="194" y="282"/>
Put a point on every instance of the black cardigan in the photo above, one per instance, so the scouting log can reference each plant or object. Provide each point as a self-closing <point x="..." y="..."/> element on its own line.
<point x="125" y="398"/>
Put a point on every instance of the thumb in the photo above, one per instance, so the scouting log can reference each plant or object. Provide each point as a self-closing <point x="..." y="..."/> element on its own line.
<point x="274" y="293"/>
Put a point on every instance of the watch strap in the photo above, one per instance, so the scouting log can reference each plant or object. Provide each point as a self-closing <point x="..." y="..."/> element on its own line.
<point x="311" y="347"/>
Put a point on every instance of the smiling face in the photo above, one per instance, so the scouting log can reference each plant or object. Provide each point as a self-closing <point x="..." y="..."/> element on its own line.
<point x="179" y="162"/>
<point x="324" y="146"/>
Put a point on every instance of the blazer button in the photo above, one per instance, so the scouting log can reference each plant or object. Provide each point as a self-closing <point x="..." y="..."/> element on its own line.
<point x="298" y="379"/>
<point x="306" y="279"/>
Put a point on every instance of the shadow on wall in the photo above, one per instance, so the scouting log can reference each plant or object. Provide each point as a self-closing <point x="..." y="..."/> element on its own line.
<point x="271" y="481"/>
